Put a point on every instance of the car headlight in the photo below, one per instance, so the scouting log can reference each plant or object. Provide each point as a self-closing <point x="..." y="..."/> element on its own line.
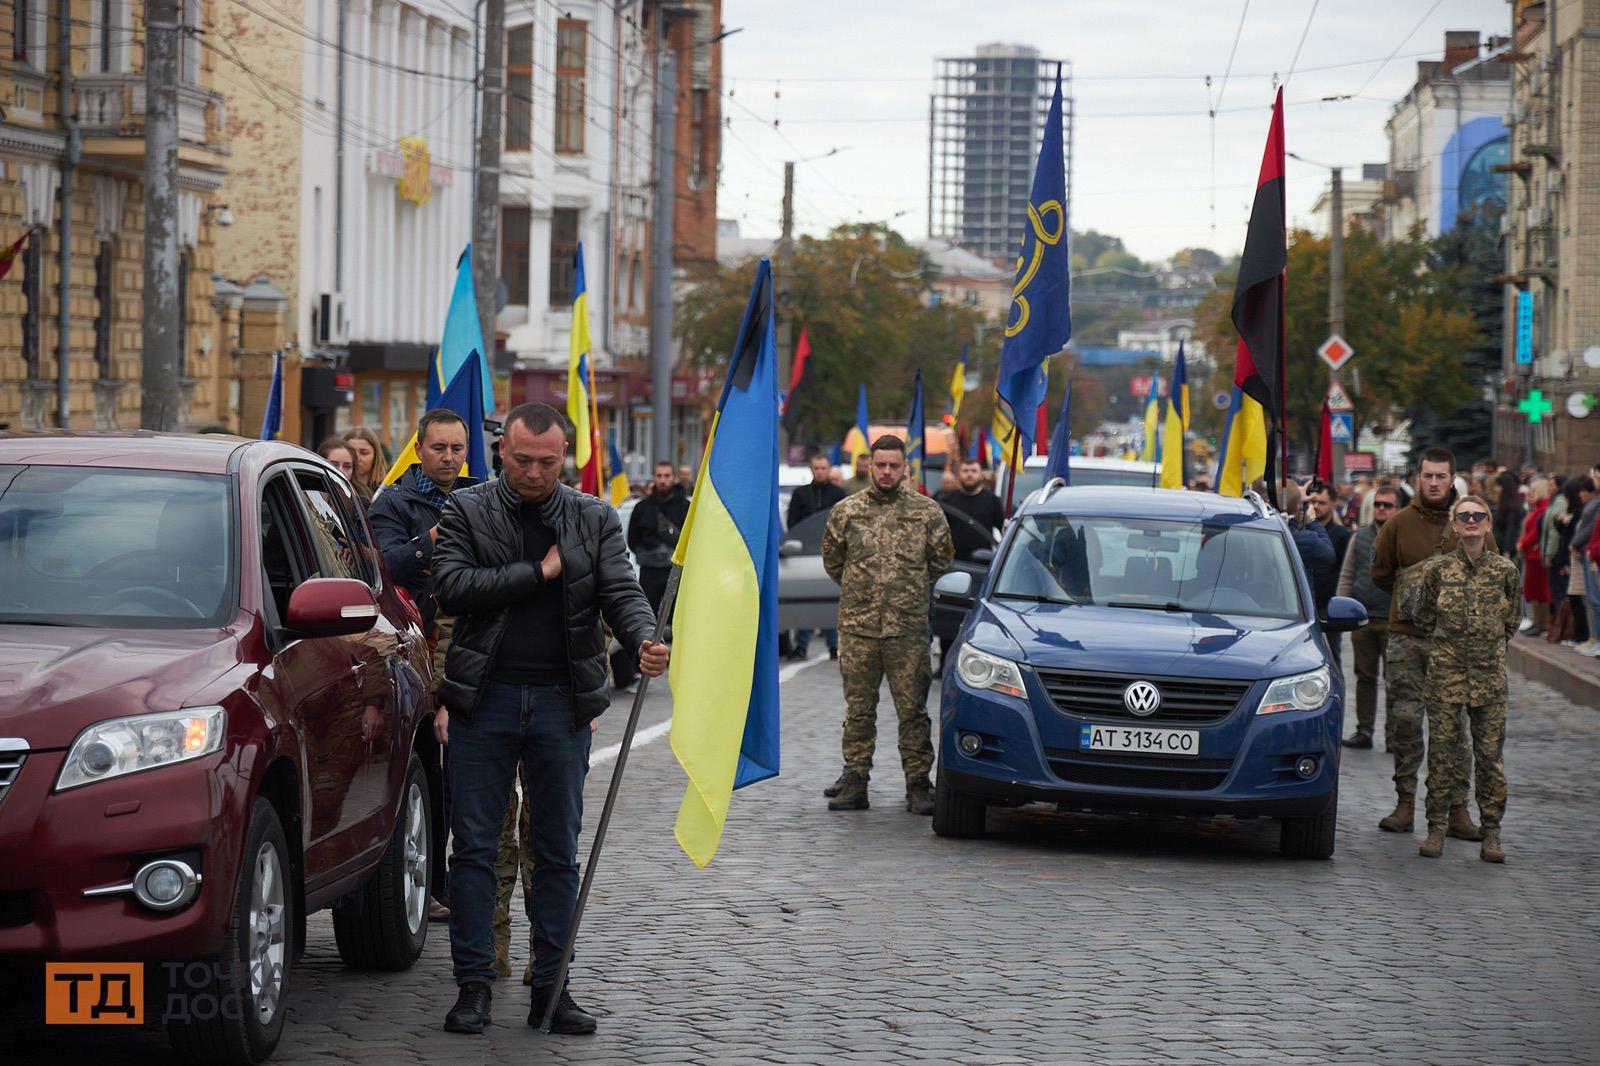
<point x="1301" y="692"/>
<point x="982" y="670"/>
<point x="142" y="742"/>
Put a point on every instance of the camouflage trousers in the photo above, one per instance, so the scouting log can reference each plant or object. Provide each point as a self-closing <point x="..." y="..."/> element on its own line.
<point x="1405" y="679"/>
<point x="443" y="628"/>
<point x="864" y="662"/>
<point x="1449" y="765"/>
<point x="516" y="850"/>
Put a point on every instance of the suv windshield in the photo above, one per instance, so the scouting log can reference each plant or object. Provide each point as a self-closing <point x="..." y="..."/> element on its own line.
<point x="114" y="547"/>
<point x="1219" y="568"/>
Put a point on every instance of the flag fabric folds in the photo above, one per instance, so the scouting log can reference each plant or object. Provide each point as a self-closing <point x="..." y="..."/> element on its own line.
<point x="462" y="333"/>
<point x="464" y="396"/>
<point x="1061" y="443"/>
<point x="1173" y="474"/>
<point x="1041" y="431"/>
<point x="855" y="441"/>
<point x="916" y="429"/>
<point x="1325" y="445"/>
<point x="724" y="670"/>
<point x="958" y="384"/>
<point x="1005" y="444"/>
<point x="1257" y="410"/>
<point x="8" y="255"/>
<point x="1152" y="420"/>
<point x="618" y="487"/>
<point x="1039" y="322"/>
<point x="585" y="456"/>
<point x="797" y="377"/>
<point x="272" y="420"/>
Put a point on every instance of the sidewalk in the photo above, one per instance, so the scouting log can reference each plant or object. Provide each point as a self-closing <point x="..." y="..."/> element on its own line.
<point x="1575" y="676"/>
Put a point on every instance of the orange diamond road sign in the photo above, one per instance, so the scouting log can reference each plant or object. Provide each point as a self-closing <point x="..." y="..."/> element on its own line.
<point x="1335" y="351"/>
<point x="1338" y="399"/>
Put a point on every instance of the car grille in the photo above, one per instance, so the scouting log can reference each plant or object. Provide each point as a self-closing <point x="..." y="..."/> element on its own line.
<point x="10" y="766"/>
<point x="1099" y="695"/>
<point x="1138" y="771"/>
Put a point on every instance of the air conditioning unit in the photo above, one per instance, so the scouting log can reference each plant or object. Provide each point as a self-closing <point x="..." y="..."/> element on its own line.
<point x="332" y="325"/>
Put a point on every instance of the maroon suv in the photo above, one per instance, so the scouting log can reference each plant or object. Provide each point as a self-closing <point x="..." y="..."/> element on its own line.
<point x="214" y="720"/>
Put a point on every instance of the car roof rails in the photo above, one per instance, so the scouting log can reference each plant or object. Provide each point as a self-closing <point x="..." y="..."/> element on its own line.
<point x="1261" y="506"/>
<point x="1050" y="487"/>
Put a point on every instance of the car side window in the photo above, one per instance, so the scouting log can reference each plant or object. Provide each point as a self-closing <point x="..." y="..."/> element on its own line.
<point x="339" y="554"/>
<point x="282" y="563"/>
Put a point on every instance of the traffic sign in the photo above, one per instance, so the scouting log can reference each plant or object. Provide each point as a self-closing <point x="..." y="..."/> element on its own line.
<point x="1342" y="425"/>
<point x="1338" y="399"/>
<point x="1335" y="351"/>
<point x="1222" y="401"/>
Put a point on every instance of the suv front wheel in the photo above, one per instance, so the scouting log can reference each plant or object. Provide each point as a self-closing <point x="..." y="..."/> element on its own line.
<point x="955" y="815"/>
<point x="1311" y="838"/>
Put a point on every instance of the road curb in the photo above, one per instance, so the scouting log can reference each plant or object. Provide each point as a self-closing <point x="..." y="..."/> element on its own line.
<point x="1575" y="676"/>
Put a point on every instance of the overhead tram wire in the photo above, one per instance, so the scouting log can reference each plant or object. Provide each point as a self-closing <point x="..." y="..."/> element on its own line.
<point x="1398" y="45"/>
<point x="776" y="128"/>
<point x="1295" y="62"/>
<point x="1234" y="51"/>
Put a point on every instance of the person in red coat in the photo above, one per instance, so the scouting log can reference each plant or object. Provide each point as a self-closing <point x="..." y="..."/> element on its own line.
<point x="1535" y="574"/>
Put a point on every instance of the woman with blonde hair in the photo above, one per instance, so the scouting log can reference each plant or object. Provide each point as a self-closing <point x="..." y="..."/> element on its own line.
<point x="370" y="466"/>
<point x="1535" y="573"/>
<point x="337" y="452"/>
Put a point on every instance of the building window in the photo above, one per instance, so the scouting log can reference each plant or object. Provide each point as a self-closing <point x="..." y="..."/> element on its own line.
<point x="104" y="309"/>
<point x="572" y="52"/>
<point x="514" y="253"/>
<point x="519" y="88"/>
<point x="184" y="369"/>
<point x="563" y="254"/>
<point x="32" y="300"/>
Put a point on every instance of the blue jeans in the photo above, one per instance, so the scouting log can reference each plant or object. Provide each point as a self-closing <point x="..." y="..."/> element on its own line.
<point x="533" y="724"/>
<point x="1591" y="595"/>
<point x="802" y="639"/>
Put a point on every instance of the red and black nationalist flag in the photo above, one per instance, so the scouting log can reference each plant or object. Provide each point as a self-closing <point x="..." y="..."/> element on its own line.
<point x="797" y="377"/>
<point x="1258" y="296"/>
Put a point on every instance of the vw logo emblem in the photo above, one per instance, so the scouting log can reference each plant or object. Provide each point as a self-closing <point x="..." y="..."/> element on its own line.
<point x="1141" y="698"/>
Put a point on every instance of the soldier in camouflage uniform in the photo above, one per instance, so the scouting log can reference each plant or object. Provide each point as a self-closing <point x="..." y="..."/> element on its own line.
<point x="1469" y="602"/>
<point x="515" y="851"/>
<point x="885" y="546"/>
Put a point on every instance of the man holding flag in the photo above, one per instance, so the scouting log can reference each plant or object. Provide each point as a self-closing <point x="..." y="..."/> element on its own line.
<point x="530" y="568"/>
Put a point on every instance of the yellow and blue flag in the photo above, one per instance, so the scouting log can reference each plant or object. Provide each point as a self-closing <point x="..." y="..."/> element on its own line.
<point x="462" y="336"/>
<point x="1173" y="475"/>
<point x="1039" y="322"/>
<point x="958" y="384"/>
<point x="272" y="420"/>
<point x="465" y="398"/>
<point x="619" y="487"/>
<point x="724" y="670"/>
<point x="585" y="455"/>
<point x="915" y="431"/>
<point x="1152" y="419"/>
<point x="855" y="441"/>
<point x="1004" y="443"/>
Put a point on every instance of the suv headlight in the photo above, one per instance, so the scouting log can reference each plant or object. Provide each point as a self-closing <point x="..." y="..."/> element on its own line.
<point x="1301" y="692"/>
<point x="142" y="742"/>
<point x="982" y="670"/>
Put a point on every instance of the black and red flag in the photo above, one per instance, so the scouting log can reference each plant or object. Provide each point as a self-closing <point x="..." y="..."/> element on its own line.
<point x="797" y="377"/>
<point x="1258" y="296"/>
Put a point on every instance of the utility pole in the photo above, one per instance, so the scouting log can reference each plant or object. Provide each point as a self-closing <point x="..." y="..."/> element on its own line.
<point x="1336" y="289"/>
<point x="486" y="191"/>
<point x="785" y="336"/>
<point x="666" y="187"/>
<point x="68" y="106"/>
<point x="161" y="400"/>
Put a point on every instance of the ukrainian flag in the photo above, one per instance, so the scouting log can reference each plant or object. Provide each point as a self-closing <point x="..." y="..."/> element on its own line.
<point x="1244" y="444"/>
<point x="724" y="670"/>
<point x="465" y="398"/>
<point x="619" y="476"/>
<point x="1001" y="432"/>
<point x="462" y="335"/>
<point x="584" y="453"/>
<point x="1172" y="472"/>
<point x="958" y="384"/>
<point x="1152" y="419"/>
<point x="855" y="441"/>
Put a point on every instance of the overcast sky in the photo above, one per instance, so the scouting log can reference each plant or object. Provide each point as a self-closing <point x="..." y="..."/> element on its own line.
<point x="856" y="74"/>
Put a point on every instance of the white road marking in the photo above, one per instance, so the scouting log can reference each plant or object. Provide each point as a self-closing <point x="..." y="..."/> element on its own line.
<point x="660" y="729"/>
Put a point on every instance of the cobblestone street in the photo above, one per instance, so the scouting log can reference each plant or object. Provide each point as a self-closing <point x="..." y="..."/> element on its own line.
<point x="819" y="937"/>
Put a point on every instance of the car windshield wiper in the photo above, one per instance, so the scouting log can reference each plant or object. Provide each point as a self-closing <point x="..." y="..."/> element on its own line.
<point x="1031" y="597"/>
<point x="25" y="620"/>
<point x="1168" y="606"/>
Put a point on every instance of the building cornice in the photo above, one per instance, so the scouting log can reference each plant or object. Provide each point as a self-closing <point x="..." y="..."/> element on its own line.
<point x="23" y="140"/>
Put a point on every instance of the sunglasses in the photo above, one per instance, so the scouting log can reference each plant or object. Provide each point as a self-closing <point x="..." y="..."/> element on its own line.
<point x="1385" y="504"/>
<point x="1471" y="518"/>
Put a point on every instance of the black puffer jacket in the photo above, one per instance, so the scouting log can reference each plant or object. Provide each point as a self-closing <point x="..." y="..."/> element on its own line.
<point x="479" y="572"/>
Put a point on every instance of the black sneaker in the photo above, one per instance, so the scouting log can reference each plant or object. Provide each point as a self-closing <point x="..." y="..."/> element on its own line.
<point x="833" y="653"/>
<point x="471" y="1012"/>
<point x="569" y="1018"/>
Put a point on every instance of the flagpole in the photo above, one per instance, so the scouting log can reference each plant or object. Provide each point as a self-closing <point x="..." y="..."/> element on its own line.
<point x="1016" y="466"/>
<point x="667" y="600"/>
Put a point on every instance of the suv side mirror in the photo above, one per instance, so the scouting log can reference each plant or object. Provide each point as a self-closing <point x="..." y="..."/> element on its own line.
<point x="331" y="607"/>
<point x="954" y="589"/>
<point x="1344" y="615"/>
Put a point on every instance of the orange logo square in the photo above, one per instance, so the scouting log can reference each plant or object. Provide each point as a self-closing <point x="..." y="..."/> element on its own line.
<point x="93" y="993"/>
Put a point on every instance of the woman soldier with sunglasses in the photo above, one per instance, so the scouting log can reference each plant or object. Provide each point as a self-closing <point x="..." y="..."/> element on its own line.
<point x="1469" y="603"/>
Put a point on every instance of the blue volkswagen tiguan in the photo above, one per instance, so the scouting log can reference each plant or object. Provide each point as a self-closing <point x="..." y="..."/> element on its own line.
<point x="1143" y="650"/>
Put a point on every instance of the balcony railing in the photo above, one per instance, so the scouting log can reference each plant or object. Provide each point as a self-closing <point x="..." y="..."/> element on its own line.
<point x="113" y="105"/>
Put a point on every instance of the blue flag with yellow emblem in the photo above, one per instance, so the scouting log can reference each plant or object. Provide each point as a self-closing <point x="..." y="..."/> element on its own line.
<point x="915" y="431"/>
<point x="1039" y="323"/>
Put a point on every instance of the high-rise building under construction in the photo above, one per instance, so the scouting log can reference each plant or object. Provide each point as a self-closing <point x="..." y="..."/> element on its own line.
<point x="985" y="118"/>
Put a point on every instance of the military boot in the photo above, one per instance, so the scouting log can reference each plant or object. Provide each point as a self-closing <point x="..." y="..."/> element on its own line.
<point x="833" y="789"/>
<point x="1491" y="851"/>
<point x="1461" y="826"/>
<point x="1403" y="819"/>
<point x="852" y="793"/>
<point x="919" y="799"/>
<point x="1433" y="847"/>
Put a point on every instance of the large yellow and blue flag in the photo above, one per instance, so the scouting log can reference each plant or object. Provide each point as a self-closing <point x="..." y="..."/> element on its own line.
<point x="585" y="455"/>
<point x="1152" y="419"/>
<point x="1039" y="322"/>
<point x="462" y="336"/>
<point x="464" y="396"/>
<point x="1173" y="474"/>
<point x="619" y="487"/>
<point x="855" y="441"/>
<point x="724" y="670"/>
<point x="916" y="429"/>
